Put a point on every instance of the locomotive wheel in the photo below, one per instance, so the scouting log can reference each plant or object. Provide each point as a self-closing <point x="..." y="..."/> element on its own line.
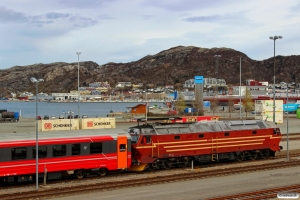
<point x="169" y="164"/>
<point x="241" y="156"/>
<point x="184" y="163"/>
<point x="252" y="155"/>
<point x="150" y="167"/>
<point x="164" y="165"/>
<point x="264" y="154"/>
<point x="102" y="172"/>
<point x="80" y="174"/>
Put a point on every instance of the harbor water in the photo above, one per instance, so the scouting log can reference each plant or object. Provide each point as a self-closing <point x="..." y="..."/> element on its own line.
<point x="92" y="109"/>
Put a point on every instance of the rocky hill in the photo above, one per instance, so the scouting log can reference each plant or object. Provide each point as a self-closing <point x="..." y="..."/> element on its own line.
<point x="171" y="66"/>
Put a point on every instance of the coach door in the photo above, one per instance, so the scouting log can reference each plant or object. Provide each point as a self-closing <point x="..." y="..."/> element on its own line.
<point x="122" y="151"/>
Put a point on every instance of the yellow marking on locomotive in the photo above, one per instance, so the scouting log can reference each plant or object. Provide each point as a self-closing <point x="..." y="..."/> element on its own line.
<point x="137" y="168"/>
<point x="183" y="141"/>
<point x="210" y="147"/>
<point x="213" y="143"/>
<point x="207" y="140"/>
<point x="238" y="138"/>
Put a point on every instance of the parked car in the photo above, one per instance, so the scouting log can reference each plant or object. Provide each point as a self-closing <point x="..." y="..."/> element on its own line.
<point x="38" y="117"/>
<point x="84" y="116"/>
<point x="76" y="116"/>
<point x="46" y="117"/>
<point x="53" y="117"/>
<point x="70" y="117"/>
<point x="61" y="117"/>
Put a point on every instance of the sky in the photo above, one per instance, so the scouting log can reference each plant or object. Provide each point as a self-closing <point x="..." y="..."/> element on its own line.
<point x="121" y="31"/>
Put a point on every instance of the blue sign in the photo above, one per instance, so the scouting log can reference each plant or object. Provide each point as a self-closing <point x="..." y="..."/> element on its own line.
<point x="206" y="103"/>
<point x="290" y="107"/>
<point x="199" y="80"/>
<point x="189" y="110"/>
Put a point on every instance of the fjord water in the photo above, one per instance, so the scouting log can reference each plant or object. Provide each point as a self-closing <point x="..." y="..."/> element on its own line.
<point x="92" y="109"/>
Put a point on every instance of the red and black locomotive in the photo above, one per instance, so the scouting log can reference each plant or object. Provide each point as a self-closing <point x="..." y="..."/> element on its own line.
<point x="169" y="145"/>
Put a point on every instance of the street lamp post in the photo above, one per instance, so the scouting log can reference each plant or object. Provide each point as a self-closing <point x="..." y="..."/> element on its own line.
<point x="217" y="65"/>
<point x="240" y="88"/>
<point x="36" y="81"/>
<point x="78" y="53"/>
<point x="274" y="38"/>
<point x="287" y="128"/>
<point x="70" y="113"/>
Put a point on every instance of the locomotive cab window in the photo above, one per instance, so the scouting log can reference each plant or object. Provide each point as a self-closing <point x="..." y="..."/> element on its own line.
<point x="18" y="153"/>
<point x="96" y="147"/>
<point x="122" y="147"/>
<point x="42" y="152"/>
<point x="276" y="131"/>
<point x="134" y="139"/>
<point x="59" y="150"/>
<point x="75" y="149"/>
<point x="146" y="139"/>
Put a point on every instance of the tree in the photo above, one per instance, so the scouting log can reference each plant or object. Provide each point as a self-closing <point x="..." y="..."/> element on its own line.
<point x="199" y="108"/>
<point x="230" y="103"/>
<point x="180" y="103"/>
<point x="247" y="101"/>
<point x="214" y="104"/>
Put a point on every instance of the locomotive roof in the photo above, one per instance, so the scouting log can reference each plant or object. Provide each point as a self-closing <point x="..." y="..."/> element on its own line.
<point x="62" y="134"/>
<point x="207" y="126"/>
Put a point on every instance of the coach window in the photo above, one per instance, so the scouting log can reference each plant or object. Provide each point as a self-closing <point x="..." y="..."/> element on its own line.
<point x="226" y="134"/>
<point x="122" y="147"/>
<point x="18" y="153"/>
<point x="201" y="135"/>
<point x="59" y="150"/>
<point x="42" y="151"/>
<point x="253" y="132"/>
<point x="96" y="147"/>
<point x="177" y="137"/>
<point x="75" y="149"/>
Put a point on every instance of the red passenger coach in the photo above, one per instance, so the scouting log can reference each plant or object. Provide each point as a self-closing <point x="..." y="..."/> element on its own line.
<point x="61" y="153"/>
<point x="169" y="145"/>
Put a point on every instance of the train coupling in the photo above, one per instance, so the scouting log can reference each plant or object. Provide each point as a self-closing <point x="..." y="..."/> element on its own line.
<point x="137" y="168"/>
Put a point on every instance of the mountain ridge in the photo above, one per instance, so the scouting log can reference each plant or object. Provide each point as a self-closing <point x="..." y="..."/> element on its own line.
<point x="168" y="67"/>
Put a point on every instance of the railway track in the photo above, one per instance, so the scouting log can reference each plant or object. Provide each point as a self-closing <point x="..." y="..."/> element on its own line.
<point x="92" y="187"/>
<point x="262" y="194"/>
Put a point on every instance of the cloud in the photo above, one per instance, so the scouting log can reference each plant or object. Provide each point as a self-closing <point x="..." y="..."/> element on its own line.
<point x="85" y="4"/>
<point x="184" y="5"/>
<point x="55" y="15"/>
<point x="79" y="21"/>
<point x="9" y="16"/>
<point x="214" y="18"/>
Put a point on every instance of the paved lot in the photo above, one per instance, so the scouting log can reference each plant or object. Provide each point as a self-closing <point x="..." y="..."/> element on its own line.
<point x="28" y="125"/>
